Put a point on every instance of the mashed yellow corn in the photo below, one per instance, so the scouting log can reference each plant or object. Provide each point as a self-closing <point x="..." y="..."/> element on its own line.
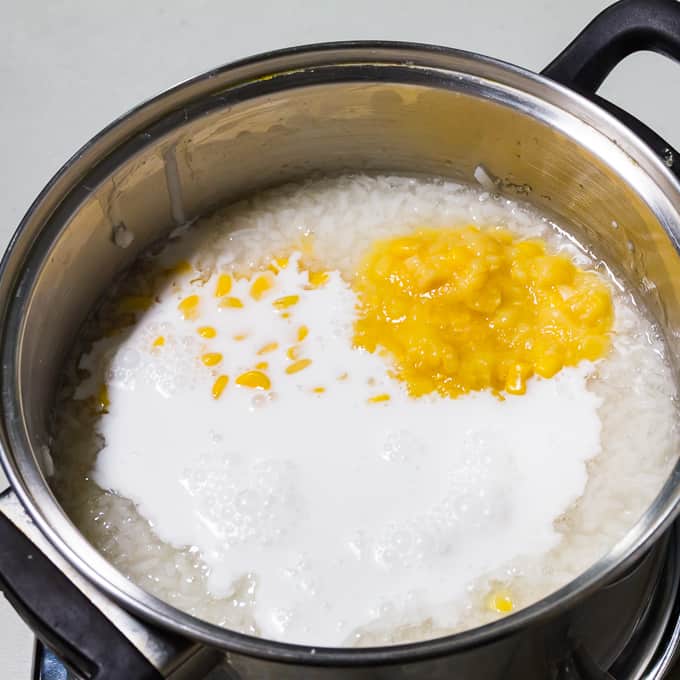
<point x="466" y="309"/>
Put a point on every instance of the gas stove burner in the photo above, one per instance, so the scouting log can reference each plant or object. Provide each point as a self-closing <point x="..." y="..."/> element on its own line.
<point x="649" y="654"/>
<point x="48" y="666"/>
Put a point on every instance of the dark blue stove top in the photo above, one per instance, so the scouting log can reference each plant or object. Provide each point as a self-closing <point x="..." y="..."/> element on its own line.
<point x="47" y="666"/>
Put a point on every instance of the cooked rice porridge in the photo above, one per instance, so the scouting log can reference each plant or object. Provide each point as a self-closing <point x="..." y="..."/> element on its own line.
<point x="363" y="410"/>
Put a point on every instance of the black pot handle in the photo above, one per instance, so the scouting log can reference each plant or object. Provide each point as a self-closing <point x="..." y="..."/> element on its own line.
<point x="61" y="616"/>
<point x="625" y="27"/>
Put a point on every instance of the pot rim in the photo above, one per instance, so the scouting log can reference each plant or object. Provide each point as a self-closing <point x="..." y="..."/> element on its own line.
<point x="27" y="479"/>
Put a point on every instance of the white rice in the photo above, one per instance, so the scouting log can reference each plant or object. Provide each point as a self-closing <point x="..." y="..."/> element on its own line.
<point x="345" y="215"/>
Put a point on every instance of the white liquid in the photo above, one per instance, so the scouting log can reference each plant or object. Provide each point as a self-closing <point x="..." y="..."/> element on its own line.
<point x="345" y="512"/>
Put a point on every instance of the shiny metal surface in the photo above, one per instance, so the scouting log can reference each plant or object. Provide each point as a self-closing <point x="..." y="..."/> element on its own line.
<point x="330" y="108"/>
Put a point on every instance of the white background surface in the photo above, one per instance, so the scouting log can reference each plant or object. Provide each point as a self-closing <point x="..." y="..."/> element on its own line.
<point x="68" y="68"/>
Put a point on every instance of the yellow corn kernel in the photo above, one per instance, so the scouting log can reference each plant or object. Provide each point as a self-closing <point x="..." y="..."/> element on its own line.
<point x="286" y="301"/>
<point x="255" y="380"/>
<point x="553" y="270"/>
<point x="269" y="347"/>
<point x="230" y="303"/>
<point x="500" y="602"/>
<point x="277" y="264"/>
<point x="260" y="286"/>
<point x="262" y="366"/>
<point x="189" y="307"/>
<point x="317" y="279"/>
<point x="319" y="390"/>
<point x="223" y="286"/>
<point x="134" y="303"/>
<point x="516" y="380"/>
<point x="159" y="341"/>
<point x="219" y="385"/>
<point x="302" y="333"/>
<point x="240" y="337"/>
<point x="589" y="305"/>
<point x="547" y="364"/>
<point x="592" y="347"/>
<point x="211" y="358"/>
<point x="207" y="332"/>
<point x="103" y="402"/>
<point x="298" y="366"/>
<point x="525" y="250"/>
<point x="293" y="352"/>
<point x="378" y="398"/>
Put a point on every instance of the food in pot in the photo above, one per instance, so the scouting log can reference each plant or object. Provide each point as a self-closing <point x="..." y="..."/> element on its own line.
<point x="364" y="410"/>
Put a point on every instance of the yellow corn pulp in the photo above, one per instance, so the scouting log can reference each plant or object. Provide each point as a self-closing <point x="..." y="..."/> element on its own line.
<point x="469" y="309"/>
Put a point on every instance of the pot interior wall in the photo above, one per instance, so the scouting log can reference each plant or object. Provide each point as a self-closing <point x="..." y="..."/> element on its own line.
<point x="265" y="133"/>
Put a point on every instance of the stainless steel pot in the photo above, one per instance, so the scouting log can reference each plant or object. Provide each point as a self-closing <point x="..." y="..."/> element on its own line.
<point x="351" y="106"/>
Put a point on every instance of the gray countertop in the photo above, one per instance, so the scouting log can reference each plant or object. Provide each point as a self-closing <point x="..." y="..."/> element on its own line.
<point x="68" y="68"/>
